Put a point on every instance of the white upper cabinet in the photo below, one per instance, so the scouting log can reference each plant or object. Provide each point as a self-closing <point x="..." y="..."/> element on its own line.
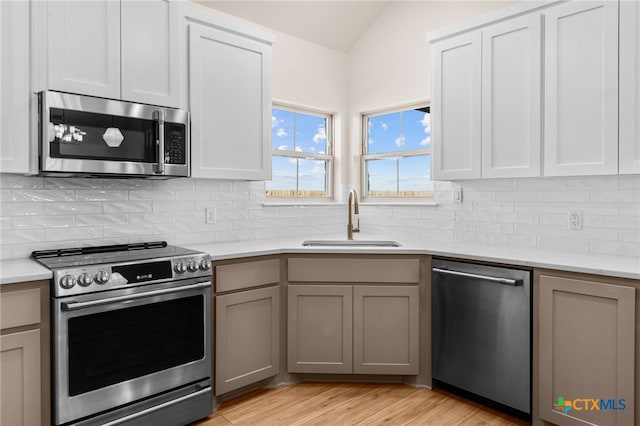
<point x="629" y="87"/>
<point x="150" y="52"/>
<point x="83" y="47"/>
<point x="121" y="50"/>
<point x="511" y="98"/>
<point x="456" y="104"/>
<point x="581" y="89"/>
<point x="229" y="99"/>
<point x="15" y="51"/>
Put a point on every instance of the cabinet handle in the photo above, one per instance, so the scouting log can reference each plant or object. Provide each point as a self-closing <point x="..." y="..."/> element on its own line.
<point x="505" y="281"/>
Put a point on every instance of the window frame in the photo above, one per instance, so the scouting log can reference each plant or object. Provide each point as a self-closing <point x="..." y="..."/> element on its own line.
<point x="364" y="157"/>
<point x="328" y="157"/>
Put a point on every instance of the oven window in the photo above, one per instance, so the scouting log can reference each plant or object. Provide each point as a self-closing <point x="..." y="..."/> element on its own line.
<point x="115" y="346"/>
<point x="84" y="135"/>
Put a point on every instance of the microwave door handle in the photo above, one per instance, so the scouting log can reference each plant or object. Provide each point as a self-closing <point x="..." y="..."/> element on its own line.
<point x="159" y="119"/>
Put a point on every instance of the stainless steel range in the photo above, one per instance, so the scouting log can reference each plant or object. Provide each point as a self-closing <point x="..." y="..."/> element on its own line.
<point x="131" y="334"/>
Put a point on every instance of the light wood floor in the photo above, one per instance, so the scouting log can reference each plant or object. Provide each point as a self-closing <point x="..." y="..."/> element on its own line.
<point x="354" y="404"/>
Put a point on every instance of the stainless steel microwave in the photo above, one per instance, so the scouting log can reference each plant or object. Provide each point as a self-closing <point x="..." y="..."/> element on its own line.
<point x="84" y="135"/>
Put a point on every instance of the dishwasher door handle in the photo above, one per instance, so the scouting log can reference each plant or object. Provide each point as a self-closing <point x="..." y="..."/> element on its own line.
<point x="504" y="281"/>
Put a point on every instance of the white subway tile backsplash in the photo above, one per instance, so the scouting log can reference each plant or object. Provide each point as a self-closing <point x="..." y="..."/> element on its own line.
<point x="615" y="222"/>
<point x="615" y="196"/>
<point x="517" y="218"/>
<point x="175" y="206"/>
<point x="538" y="230"/>
<point x="74" y="234"/>
<point x="38" y="213"/>
<point x="21" y="236"/>
<point x="8" y="181"/>
<point x="128" y="207"/>
<point x="99" y="219"/>
<point x="21" y="209"/>
<point x="616" y="248"/>
<point x="39" y="222"/>
<point x="41" y="196"/>
<point x="589" y="183"/>
<point x="563" y="196"/>
<point x="539" y="184"/>
<point x="101" y="195"/>
<point x="127" y="230"/>
<point x="72" y="183"/>
<point x="560" y="244"/>
<point x="157" y="195"/>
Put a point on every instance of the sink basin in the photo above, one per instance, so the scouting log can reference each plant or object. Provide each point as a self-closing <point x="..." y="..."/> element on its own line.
<point x="351" y="243"/>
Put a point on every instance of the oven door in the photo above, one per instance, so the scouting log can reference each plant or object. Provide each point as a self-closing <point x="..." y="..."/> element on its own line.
<point x="117" y="347"/>
<point x="87" y="135"/>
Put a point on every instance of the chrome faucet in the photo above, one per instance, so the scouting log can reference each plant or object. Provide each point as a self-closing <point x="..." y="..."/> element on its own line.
<point x="353" y="199"/>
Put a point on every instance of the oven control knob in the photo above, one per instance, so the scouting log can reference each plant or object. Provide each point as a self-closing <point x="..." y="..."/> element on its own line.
<point x="102" y="277"/>
<point x="85" y="279"/>
<point x="180" y="268"/>
<point x="67" y="281"/>
<point x="205" y="265"/>
<point x="192" y="266"/>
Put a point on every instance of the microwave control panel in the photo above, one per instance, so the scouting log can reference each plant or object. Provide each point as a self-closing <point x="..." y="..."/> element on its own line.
<point x="174" y="144"/>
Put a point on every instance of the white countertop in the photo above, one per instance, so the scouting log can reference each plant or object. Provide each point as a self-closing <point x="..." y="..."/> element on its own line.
<point x="21" y="270"/>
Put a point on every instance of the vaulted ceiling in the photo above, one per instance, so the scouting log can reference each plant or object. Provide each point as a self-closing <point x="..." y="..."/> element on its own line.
<point x="336" y="25"/>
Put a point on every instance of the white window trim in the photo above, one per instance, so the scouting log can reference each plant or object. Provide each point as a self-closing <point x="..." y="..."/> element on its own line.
<point x="329" y="157"/>
<point x="399" y="200"/>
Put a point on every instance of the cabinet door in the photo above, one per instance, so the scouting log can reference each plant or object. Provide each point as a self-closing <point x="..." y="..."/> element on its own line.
<point x="629" y="87"/>
<point x="247" y="338"/>
<point x="84" y="47"/>
<point x="20" y="378"/>
<point x="386" y="330"/>
<point x="230" y="103"/>
<point x="586" y="351"/>
<point x="320" y="326"/>
<point x="150" y="57"/>
<point x="15" y="93"/>
<point x="455" y="112"/>
<point x="511" y="98"/>
<point x="581" y="89"/>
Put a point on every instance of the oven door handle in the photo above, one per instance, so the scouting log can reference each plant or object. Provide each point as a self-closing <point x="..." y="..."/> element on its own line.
<point x="73" y="305"/>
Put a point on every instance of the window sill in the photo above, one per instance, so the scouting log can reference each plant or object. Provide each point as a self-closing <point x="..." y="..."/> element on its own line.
<point x="400" y="203"/>
<point x="300" y="203"/>
<point x="362" y="203"/>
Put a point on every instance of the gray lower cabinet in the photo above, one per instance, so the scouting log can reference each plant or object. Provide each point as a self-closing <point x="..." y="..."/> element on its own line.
<point x="247" y="337"/>
<point x="247" y="322"/>
<point x="353" y="329"/>
<point x="24" y="354"/>
<point x="320" y="328"/>
<point x="586" y="330"/>
<point x="385" y="330"/>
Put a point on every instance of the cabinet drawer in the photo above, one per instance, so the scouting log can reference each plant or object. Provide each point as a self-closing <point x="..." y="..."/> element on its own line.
<point x="19" y="308"/>
<point x="248" y="274"/>
<point x="354" y="270"/>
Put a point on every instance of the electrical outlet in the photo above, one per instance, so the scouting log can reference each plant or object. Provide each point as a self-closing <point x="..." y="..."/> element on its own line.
<point x="457" y="194"/>
<point x="575" y="219"/>
<point x="209" y="215"/>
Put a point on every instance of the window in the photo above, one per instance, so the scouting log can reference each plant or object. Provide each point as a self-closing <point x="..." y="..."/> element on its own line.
<point x="302" y="154"/>
<point x="396" y="159"/>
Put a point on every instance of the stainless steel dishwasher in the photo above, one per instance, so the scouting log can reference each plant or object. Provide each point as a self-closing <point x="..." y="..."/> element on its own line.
<point x="481" y="331"/>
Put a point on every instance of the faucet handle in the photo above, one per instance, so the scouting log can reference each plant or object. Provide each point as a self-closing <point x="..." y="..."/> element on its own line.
<point x="357" y="228"/>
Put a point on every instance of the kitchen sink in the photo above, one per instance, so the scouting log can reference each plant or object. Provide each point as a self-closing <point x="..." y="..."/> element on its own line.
<point x="351" y="243"/>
